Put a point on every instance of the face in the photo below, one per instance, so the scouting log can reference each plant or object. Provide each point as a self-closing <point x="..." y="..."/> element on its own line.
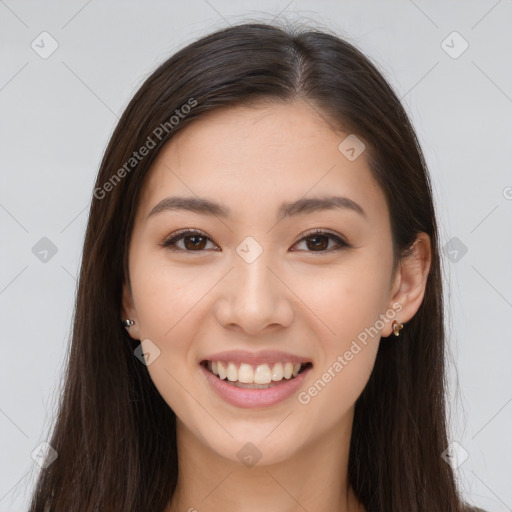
<point x="249" y="279"/>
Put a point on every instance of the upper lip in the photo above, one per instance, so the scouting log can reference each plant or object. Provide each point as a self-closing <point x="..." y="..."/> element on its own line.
<point x="256" y="358"/>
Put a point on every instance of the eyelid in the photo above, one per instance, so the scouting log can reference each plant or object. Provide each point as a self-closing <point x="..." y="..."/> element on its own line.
<point x="339" y="239"/>
<point x="178" y="235"/>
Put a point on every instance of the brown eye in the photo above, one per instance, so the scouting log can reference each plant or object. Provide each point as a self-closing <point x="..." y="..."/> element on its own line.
<point x="318" y="241"/>
<point x="194" y="241"/>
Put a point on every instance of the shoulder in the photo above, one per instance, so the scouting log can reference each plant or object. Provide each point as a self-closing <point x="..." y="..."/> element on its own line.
<point x="474" y="509"/>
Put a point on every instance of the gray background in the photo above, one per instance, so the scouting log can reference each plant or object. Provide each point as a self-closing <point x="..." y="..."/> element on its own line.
<point x="58" y="113"/>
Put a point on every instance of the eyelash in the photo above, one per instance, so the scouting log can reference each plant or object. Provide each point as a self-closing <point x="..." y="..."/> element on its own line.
<point x="318" y="232"/>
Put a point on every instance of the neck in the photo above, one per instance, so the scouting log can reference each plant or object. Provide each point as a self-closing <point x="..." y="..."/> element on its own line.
<point x="313" y="478"/>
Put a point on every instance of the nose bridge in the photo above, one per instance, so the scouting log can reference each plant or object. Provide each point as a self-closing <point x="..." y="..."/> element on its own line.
<point x="253" y="296"/>
<point x="253" y="281"/>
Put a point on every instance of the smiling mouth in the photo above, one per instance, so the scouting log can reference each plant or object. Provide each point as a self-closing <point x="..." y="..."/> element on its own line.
<point x="251" y="376"/>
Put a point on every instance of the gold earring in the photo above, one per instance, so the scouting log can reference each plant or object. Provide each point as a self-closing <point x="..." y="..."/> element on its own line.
<point x="396" y="327"/>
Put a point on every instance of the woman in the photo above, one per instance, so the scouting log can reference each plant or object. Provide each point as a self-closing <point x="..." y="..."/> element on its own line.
<point x="259" y="317"/>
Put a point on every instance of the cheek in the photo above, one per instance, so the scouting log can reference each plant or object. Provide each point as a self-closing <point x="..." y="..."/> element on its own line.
<point x="346" y="299"/>
<point x="348" y="303"/>
<point x="164" y="295"/>
<point x="168" y="301"/>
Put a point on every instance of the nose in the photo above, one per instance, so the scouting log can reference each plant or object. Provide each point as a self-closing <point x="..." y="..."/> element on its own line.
<point x="254" y="297"/>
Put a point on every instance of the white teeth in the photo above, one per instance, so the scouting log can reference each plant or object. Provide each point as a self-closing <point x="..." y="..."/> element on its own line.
<point x="288" y="370"/>
<point x="246" y="373"/>
<point x="232" y="372"/>
<point x="262" y="374"/>
<point x="254" y="374"/>
<point x="277" y="372"/>
<point x="221" y="370"/>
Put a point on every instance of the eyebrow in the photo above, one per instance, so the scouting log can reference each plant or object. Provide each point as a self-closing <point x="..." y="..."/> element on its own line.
<point x="302" y="206"/>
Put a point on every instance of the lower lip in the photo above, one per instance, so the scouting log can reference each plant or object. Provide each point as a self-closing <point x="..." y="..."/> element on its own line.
<point x="252" y="398"/>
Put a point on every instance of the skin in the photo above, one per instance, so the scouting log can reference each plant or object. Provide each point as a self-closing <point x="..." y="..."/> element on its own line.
<point x="303" y="301"/>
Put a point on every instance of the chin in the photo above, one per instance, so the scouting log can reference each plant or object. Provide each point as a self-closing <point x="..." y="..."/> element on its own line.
<point x="260" y="445"/>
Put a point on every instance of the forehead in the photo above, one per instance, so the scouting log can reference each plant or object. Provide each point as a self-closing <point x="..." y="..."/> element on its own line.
<point x="250" y="158"/>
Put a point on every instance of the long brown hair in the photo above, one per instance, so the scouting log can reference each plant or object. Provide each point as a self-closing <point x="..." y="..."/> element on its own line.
<point x="114" y="433"/>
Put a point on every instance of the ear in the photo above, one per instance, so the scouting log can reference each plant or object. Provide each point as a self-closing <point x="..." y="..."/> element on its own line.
<point x="410" y="281"/>
<point x="128" y="311"/>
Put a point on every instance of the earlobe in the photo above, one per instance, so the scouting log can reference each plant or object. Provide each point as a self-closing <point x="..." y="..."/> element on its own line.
<point x="411" y="280"/>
